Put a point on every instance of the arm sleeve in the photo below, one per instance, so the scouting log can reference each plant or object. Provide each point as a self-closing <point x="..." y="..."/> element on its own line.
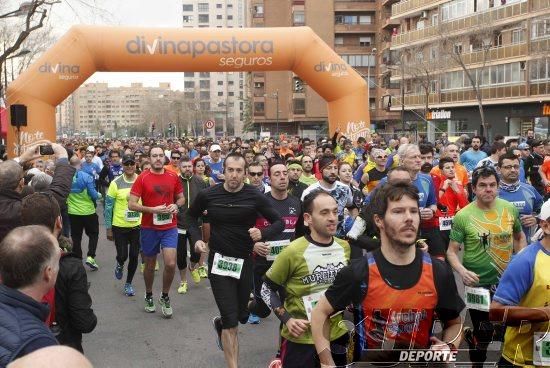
<point x="193" y="214"/>
<point x="137" y="187"/>
<point x="457" y="229"/>
<point x="62" y="179"/>
<point x="81" y="314"/>
<point x="516" y="279"/>
<point x="109" y="205"/>
<point x="273" y="301"/>
<point x="277" y="225"/>
<point x="90" y="186"/>
<point x="348" y="284"/>
<point x="538" y="201"/>
<point x="449" y="303"/>
<point x="36" y="344"/>
<point x="432" y="200"/>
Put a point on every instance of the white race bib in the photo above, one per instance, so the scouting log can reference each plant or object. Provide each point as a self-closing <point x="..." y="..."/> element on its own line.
<point x="541" y="349"/>
<point x="477" y="298"/>
<point x="445" y="223"/>
<point x="275" y="248"/>
<point x="310" y="301"/>
<point x="182" y="231"/>
<point x="131" y="216"/>
<point x="162" y="218"/>
<point x="227" y="266"/>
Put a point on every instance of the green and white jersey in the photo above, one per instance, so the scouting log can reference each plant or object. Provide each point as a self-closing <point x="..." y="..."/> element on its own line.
<point x="306" y="269"/>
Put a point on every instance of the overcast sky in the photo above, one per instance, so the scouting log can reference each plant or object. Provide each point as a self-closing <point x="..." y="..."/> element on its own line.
<point x="144" y="13"/>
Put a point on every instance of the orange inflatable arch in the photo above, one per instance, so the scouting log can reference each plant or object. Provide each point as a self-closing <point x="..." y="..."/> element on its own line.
<point x="87" y="49"/>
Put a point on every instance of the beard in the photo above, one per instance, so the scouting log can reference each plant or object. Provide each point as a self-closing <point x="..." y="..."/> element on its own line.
<point x="426" y="168"/>
<point x="396" y="240"/>
<point x="330" y="179"/>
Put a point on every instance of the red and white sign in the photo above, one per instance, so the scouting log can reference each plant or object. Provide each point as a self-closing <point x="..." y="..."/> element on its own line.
<point x="209" y="124"/>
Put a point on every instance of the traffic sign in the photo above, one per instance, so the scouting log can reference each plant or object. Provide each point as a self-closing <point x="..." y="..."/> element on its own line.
<point x="209" y="124"/>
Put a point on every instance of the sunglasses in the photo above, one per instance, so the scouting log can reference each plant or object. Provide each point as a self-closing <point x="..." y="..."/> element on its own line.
<point x="130" y="163"/>
<point x="258" y="174"/>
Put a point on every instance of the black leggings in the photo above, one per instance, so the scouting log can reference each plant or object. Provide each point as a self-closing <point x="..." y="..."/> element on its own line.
<point x="79" y="224"/>
<point x="484" y="333"/>
<point x="181" y="258"/>
<point x="127" y="248"/>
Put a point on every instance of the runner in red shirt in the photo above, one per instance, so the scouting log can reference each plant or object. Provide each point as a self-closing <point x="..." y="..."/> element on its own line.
<point x="161" y="195"/>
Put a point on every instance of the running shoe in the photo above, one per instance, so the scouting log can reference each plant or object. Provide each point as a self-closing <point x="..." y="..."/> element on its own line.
<point x="469" y="337"/>
<point x="157" y="266"/>
<point x="142" y="267"/>
<point x="203" y="272"/>
<point x="165" y="307"/>
<point x="149" y="304"/>
<point x="129" y="290"/>
<point x="253" y="319"/>
<point x="217" y="324"/>
<point x="196" y="276"/>
<point x="119" y="271"/>
<point x="183" y="288"/>
<point x="90" y="261"/>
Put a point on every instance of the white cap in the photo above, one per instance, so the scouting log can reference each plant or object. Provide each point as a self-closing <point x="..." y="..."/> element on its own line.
<point x="544" y="211"/>
<point x="215" y="147"/>
<point x="90" y="149"/>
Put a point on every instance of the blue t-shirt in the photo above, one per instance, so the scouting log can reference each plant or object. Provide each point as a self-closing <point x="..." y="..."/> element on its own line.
<point x="91" y="168"/>
<point x="425" y="186"/>
<point x="216" y="168"/>
<point x="527" y="200"/>
<point x="115" y="171"/>
<point x="471" y="158"/>
<point x="193" y="153"/>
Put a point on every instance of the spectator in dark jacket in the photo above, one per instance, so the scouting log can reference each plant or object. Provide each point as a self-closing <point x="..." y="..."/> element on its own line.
<point x="29" y="263"/>
<point x="73" y="305"/>
<point x="11" y="186"/>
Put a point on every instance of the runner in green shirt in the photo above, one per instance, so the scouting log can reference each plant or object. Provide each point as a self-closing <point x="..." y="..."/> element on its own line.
<point x="305" y="269"/>
<point x="123" y="225"/>
<point x="490" y="230"/>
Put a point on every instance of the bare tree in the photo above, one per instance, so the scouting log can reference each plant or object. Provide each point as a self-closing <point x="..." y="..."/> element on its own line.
<point x="481" y="38"/>
<point x="423" y="70"/>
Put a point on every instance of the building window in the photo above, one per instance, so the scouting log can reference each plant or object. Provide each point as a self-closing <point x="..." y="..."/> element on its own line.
<point x="540" y="28"/>
<point x="220" y="93"/>
<point x="204" y="74"/>
<point x="419" y="57"/>
<point x="454" y="9"/>
<point x="435" y="19"/>
<point x="187" y="7"/>
<point x="433" y="86"/>
<point x="230" y="94"/>
<point x="540" y="70"/>
<point x="299" y="106"/>
<point x="359" y="60"/>
<point x="259" y="85"/>
<point x="517" y="36"/>
<point x="258" y="11"/>
<point x="219" y="16"/>
<point x="229" y="17"/>
<point x="365" y="41"/>
<point x="220" y="83"/>
<point x="205" y="95"/>
<point x="365" y="19"/>
<point x="259" y="107"/>
<point x="218" y="6"/>
<point x="189" y="84"/>
<point x="203" y="7"/>
<point x="338" y="40"/>
<point x="229" y="6"/>
<point x="457" y="48"/>
<point x="189" y="74"/>
<point x="433" y="53"/>
<point x="187" y="18"/>
<point x="371" y="81"/>
<point x="205" y="84"/>
<point x="204" y="18"/>
<point x="298" y="18"/>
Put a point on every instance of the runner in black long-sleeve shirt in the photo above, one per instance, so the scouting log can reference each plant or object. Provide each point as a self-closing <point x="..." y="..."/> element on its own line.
<point x="232" y="211"/>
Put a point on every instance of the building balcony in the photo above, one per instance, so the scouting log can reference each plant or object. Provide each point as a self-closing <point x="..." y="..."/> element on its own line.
<point x="540" y="46"/>
<point x="389" y="2"/>
<point x="495" y="54"/>
<point x="466" y="96"/>
<point x="493" y="17"/>
<point x="410" y="7"/>
<point x="380" y="114"/>
<point x="347" y="49"/>
<point x="354" y="28"/>
<point x="388" y="22"/>
<point x="539" y="88"/>
<point x="354" y="5"/>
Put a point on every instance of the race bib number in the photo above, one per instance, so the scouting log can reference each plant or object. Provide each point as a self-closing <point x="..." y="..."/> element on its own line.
<point x="310" y="301"/>
<point x="162" y="218"/>
<point x="131" y="216"/>
<point x="227" y="266"/>
<point x="541" y="349"/>
<point x="275" y="248"/>
<point x="445" y="223"/>
<point x="477" y="298"/>
<point x="182" y="231"/>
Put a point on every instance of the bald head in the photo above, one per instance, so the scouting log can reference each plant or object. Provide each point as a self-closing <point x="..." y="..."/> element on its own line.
<point x="11" y="174"/>
<point x="52" y="356"/>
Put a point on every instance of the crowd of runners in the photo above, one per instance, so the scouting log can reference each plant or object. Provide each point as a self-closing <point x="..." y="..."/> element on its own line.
<point x="354" y="246"/>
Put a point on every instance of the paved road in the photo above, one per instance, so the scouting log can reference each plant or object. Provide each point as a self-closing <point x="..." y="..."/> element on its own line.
<point x="127" y="336"/>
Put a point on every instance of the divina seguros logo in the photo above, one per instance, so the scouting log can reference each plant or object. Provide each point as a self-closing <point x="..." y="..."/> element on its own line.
<point x="196" y="48"/>
<point x="65" y="71"/>
<point x="335" y="69"/>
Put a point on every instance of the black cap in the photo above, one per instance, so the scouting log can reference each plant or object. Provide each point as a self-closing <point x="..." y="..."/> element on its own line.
<point x="536" y="143"/>
<point x="127" y="159"/>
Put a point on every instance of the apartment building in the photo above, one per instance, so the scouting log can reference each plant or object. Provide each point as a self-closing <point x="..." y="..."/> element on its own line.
<point x="504" y="48"/>
<point x="96" y="109"/>
<point x="283" y="103"/>
<point x="220" y="96"/>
